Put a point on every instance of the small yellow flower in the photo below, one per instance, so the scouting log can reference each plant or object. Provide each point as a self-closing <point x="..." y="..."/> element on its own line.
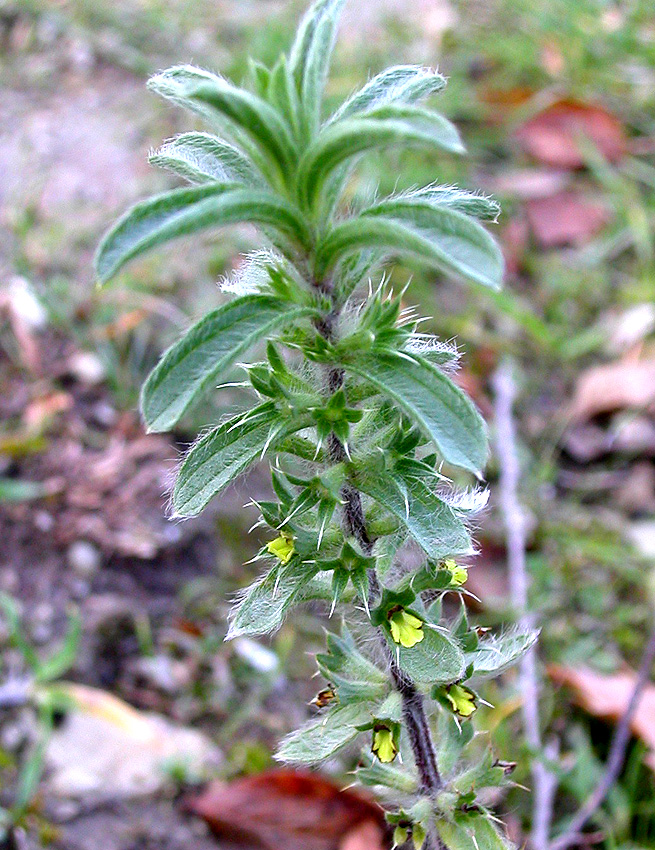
<point x="462" y="700"/>
<point x="406" y="628"/>
<point x="383" y="745"/>
<point x="282" y="547"/>
<point x="458" y="574"/>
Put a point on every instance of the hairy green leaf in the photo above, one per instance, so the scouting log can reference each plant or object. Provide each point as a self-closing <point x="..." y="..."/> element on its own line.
<point x="382" y="127"/>
<point x="443" y="237"/>
<point x="324" y="736"/>
<point x="429" y="520"/>
<point x="374" y="772"/>
<point x="476" y="832"/>
<point x="450" y="741"/>
<point x="496" y="653"/>
<point x="432" y="400"/>
<point x="263" y="606"/>
<point x="282" y="92"/>
<point x="309" y="59"/>
<point x="435" y="660"/>
<point x="354" y="676"/>
<point x="212" y="96"/>
<point x="206" y="350"/>
<point x="204" y="158"/>
<point x="225" y="452"/>
<point x="183" y="211"/>
<point x="402" y="84"/>
<point x="472" y="203"/>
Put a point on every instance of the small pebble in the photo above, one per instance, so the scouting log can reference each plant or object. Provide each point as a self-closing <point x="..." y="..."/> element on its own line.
<point x="84" y="557"/>
<point x="43" y="520"/>
<point x="87" y="367"/>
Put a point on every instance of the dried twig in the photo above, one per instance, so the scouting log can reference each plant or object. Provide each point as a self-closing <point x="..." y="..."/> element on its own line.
<point x="616" y="756"/>
<point x="544" y="782"/>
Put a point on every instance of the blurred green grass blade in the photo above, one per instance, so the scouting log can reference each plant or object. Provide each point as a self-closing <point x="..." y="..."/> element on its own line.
<point x="18" y="490"/>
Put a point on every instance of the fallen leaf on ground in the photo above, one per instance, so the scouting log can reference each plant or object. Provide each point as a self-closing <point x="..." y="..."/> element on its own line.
<point x="367" y="836"/>
<point x="290" y="809"/>
<point x="614" y="386"/>
<point x="567" y="218"/>
<point x="106" y="749"/>
<point x="514" y="240"/>
<point x="608" y="697"/>
<point x="528" y="183"/>
<point x="502" y="101"/>
<point x="554" y="135"/>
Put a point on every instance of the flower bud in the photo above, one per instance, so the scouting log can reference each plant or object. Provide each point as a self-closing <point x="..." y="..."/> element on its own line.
<point x="282" y="548"/>
<point x="458" y="573"/>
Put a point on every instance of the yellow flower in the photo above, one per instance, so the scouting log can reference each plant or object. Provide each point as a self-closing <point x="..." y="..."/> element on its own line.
<point x="383" y="745"/>
<point x="458" y="574"/>
<point x="406" y="628"/>
<point x="282" y="547"/>
<point x="462" y="700"/>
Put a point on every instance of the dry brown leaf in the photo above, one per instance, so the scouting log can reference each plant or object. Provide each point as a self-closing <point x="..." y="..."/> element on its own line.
<point x="39" y="413"/>
<point x="567" y="218"/>
<point x="608" y="697"/>
<point x="514" y="240"/>
<point x="290" y="809"/>
<point x="528" y="183"/>
<point x="614" y="386"/>
<point x="553" y="136"/>
<point x="367" y="836"/>
<point x="502" y="101"/>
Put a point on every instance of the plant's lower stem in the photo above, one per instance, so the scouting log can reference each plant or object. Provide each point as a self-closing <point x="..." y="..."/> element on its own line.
<point x="416" y="721"/>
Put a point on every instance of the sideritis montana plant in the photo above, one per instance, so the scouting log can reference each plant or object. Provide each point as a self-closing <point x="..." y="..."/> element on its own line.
<point x="354" y="407"/>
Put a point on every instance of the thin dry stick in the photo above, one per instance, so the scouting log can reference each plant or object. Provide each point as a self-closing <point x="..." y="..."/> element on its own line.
<point x="616" y="756"/>
<point x="544" y="782"/>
